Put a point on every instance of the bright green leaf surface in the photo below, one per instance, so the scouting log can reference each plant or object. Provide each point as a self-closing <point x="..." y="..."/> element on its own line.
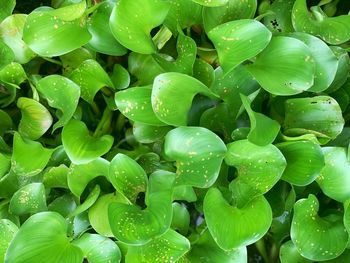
<point x="80" y="146"/>
<point x="132" y="21"/>
<point x="198" y="153"/>
<point x="48" y="229"/>
<point x="232" y="38"/>
<point x="7" y="231"/>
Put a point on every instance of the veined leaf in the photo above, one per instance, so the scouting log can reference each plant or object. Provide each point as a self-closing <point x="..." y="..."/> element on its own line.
<point x="7" y="231"/>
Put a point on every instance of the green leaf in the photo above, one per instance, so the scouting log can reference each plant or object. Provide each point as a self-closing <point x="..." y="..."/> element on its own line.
<point x="169" y="247"/>
<point x="73" y="59"/>
<point x="90" y="77"/>
<point x="320" y="115"/>
<point x="289" y="253"/>
<point x="88" y="202"/>
<point x="242" y="227"/>
<point x="103" y="249"/>
<point x="257" y="173"/>
<point x="56" y="177"/>
<point x="102" y="39"/>
<point x="7" y="8"/>
<point x="120" y="77"/>
<point x="232" y="38"/>
<point x="186" y="56"/>
<point x="148" y="134"/>
<point x="11" y="32"/>
<point x="29" y="199"/>
<point x="305" y="160"/>
<point x="7" y="232"/>
<point x="342" y="70"/>
<point x="80" y="146"/>
<point x="135" y="103"/>
<point x="232" y="10"/>
<point x="131" y="25"/>
<point x="211" y="3"/>
<point x="144" y="68"/>
<point x="5" y="164"/>
<point x="263" y="130"/>
<point x="48" y="229"/>
<point x="98" y="213"/>
<point x="127" y="176"/>
<point x="206" y="250"/>
<point x="64" y="205"/>
<point x="81" y="174"/>
<point x="198" y="153"/>
<point x="204" y="72"/>
<point x="333" y="30"/>
<point x="6" y="54"/>
<point x="290" y="62"/>
<point x="334" y="179"/>
<point x="317" y="238"/>
<point x="183" y="13"/>
<point x="326" y="62"/>
<point x="62" y="94"/>
<point x="6" y="122"/>
<point x="25" y="165"/>
<point x="132" y="225"/>
<point x="52" y="32"/>
<point x="36" y="119"/>
<point x="171" y="88"/>
<point x="181" y="218"/>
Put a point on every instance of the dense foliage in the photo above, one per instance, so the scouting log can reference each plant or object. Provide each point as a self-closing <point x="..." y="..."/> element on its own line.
<point x="174" y="131"/>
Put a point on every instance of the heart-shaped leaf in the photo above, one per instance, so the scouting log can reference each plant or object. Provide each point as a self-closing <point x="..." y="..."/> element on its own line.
<point x="90" y="77"/>
<point x="204" y="72"/>
<point x="232" y="10"/>
<point x="263" y="130"/>
<point x="7" y="232"/>
<point x="98" y="213"/>
<point x="279" y="18"/>
<point x="320" y="115"/>
<point x="127" y="176"/>
<point x="81" y="174"/>
<point x="54" y="32"/>
<point x="232" y="38"/>
<point x="257" y="173"/>
<point x="48" y="229"/>
<point x="22" y="163"/>
<point x="242" y="227"/>
<point x="342" y="70"/>
<point x="131" y="25"/>
<point x="169" y="247"/>
<point x="11" y="32"/>
<point x="135" y="103"/>
<point x="171" y="88"/>
<point x="134" y="226"/>
<point x="317" y="238"/>
<point x="80" y="146"/>
<point x="36" y="119"/>
<point x="102" y="39"/>
<point x="290" y="61"/>
<point x="103" y="249"/>
<point x="198" y="153"/>
<point x="62" y="94"/>
<point x="334" y="179"/>
<point x="181" y="218"/>
<point x="326" y="63"/>
<point x="29" y="199"/>
<point x="206" y="250"/>
<point x="333" y="30"/>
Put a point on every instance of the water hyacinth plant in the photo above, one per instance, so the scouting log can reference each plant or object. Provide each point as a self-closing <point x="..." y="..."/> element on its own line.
<point x="174" y="131"/>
